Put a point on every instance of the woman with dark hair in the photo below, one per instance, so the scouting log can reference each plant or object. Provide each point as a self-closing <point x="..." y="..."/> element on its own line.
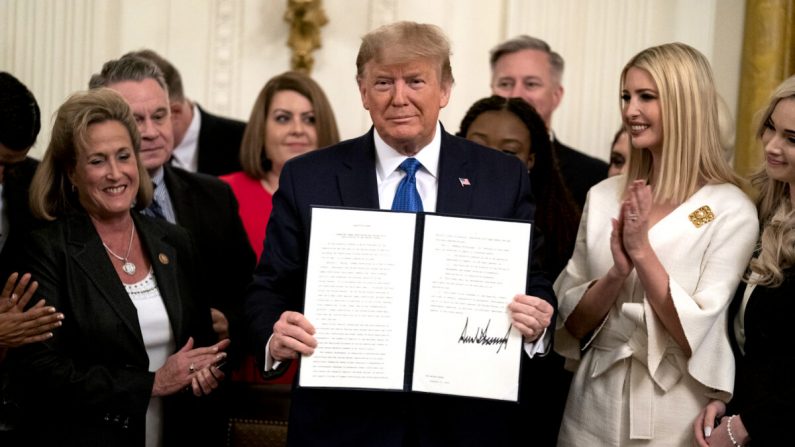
<point x="761" y="313"/>
<point x="20" y="122"/>
<point x="290" y="117"/>
<point x="515" y="128"/>
<point x="125" y="366"/>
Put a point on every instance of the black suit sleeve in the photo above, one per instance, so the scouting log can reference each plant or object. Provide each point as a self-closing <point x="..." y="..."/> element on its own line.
<point x="537" y="284"/>
<point x="233" y="268"/>
<point x="207" y="208"/>
<point x="58" y="371"/>
<point x="278" y="282"/>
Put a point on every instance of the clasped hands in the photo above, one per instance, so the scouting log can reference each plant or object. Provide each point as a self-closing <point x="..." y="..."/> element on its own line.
<point x="294" y="335"/>
<point x="196" y="369"/>
<point x="630" y="236"/>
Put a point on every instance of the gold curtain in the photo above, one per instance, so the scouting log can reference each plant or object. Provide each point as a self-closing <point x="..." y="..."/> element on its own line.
<point x="768" y="58"/>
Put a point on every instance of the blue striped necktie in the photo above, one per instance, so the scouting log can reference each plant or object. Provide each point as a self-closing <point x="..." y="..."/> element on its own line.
<point x="407" y="198"/>
<point x="154" y="209"/>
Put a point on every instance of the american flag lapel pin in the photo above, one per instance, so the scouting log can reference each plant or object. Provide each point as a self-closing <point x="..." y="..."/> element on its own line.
<point x="464" y="181"/>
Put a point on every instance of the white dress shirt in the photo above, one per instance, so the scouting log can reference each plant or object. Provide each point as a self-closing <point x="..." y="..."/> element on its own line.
<point x="186" y="155"/>
<point x="388" y="173"/>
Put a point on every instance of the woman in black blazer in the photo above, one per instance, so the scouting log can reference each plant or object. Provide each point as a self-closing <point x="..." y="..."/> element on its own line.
<point x="127" y="364"/>
<point x="761" y="409"/>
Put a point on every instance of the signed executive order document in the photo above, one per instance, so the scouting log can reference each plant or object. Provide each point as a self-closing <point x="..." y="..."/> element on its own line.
<point x="449" y="334"/>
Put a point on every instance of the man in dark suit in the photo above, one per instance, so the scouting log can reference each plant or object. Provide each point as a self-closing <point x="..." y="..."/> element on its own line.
<point x="526" y="67"/>
<point x="20" y="122"/>
<point x="203" y="142"/>
<point x="404" y="79"/>
<point x="202" y="204"/>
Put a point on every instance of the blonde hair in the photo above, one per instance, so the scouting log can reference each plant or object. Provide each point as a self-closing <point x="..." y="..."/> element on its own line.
<point x="776" y="215"/>
<point x="252" y="148"/>
<point x="406" y="41"/>
<point x="691" y="149"/>
<point x="51" y="192"/>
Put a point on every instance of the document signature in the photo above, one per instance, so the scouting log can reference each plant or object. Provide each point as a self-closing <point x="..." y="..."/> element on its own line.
<point x="482" y="337"/>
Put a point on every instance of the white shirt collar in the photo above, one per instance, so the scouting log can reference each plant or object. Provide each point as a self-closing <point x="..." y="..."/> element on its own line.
<point x="387" y="159"/>
<point x="185" y="154"/>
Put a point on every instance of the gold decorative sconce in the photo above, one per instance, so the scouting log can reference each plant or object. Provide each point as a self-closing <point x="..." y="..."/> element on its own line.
<point x="305" y="18"/>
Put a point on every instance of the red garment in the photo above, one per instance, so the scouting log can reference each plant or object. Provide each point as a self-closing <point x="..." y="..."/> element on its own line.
<point x="254" y="207"/>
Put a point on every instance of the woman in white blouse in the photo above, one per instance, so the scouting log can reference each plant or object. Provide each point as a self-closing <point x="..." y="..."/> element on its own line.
<point x="659" y="253"/>
<point x="126" y="365"/>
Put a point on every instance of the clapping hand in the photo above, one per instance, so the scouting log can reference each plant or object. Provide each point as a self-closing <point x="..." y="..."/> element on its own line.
<point x="193" y="368"/>
<point x="635" y="225"/>
<point x="19" y="326"/>
<point x="220" y="323"/>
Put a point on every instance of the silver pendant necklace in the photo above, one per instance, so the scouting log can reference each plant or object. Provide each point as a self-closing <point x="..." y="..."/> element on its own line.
<point x="127" y="266"/>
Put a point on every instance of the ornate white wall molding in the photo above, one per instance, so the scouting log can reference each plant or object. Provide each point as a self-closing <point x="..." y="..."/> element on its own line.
<point x="224" y="56"/>
<point x="382" y="12"/>
<point x="227" y="49"/>
<point x="53" y="47"/>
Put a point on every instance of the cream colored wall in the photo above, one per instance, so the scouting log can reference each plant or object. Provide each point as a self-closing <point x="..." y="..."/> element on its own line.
<point x="227" y="49"/>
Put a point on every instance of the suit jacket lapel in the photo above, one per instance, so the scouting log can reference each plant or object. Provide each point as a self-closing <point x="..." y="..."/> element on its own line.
<point x="454" y="196"/>
<point x="181" y="199"/>
<point x="89" y="254"/>
<point x="163" y="257"/>
<point x="205" y="148"/>
<point x="357" y="180"/>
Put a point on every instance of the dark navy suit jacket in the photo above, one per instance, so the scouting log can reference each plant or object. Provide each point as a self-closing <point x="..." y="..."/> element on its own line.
<point x="344" y="175"/>
<point x="579" y="171"/>
<point x="207" y="208"/>
<point x="219" y="144"/>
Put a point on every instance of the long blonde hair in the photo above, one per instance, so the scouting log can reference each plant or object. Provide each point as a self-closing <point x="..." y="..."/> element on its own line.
<point x="776" y="215"/>
<point x="691" y="150"/>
